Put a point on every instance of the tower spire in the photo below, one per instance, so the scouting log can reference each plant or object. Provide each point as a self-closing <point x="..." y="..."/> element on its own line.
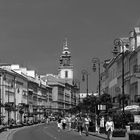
<point x="66" y="41"/>
<point x="66" y="67"/>
<point x="65" y="44"/>
<point x="65" y="47"/>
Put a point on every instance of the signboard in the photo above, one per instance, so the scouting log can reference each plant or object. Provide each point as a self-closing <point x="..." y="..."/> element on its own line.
<point x="137" y="118"/>
<point x="101" y="107"/>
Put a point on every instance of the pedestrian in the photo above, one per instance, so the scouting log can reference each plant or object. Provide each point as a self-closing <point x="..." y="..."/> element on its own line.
<point x="109" y="128"/>
<point x="98" y="124"/>
<point x="72" y="122"/>
<point x="80" y="124"/>
<point x="87" y="120"/>
<point x="69" y="122"/>
<point x="59" y="123"/>
<point x="47" y="120"/>
<point x="64" y="123"/>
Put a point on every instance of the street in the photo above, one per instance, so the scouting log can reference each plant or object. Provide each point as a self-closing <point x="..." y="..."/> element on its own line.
<point x="49" y="132"/>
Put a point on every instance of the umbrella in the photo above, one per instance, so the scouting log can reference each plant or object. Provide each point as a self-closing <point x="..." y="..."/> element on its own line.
<point x="132" y="108"/>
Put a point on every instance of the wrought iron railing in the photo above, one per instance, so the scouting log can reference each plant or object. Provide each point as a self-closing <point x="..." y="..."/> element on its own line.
<point x="136" y="68"/>
<point x="137" y="98"/>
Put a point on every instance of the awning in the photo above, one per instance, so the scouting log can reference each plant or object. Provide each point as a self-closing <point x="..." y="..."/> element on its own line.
<point x="131" y="108"/>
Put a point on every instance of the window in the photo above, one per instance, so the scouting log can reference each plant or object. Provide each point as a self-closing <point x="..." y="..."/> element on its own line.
<point x="66" y="74"/>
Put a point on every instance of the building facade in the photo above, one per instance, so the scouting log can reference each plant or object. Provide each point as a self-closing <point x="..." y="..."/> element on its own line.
<point x="65" y="94"/>
<point x="23" y="95"/>
<point x="112" y="75"/>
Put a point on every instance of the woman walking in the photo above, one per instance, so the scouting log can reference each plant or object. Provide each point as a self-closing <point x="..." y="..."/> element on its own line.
<point x="59" y="124"/>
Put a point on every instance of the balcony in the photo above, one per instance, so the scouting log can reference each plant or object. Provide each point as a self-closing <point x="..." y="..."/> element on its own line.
<point x="136" y="68"/>
<point x="137" y="99"/>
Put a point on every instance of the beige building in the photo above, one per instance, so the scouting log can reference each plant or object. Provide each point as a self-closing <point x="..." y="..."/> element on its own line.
<point x="112" y="75"/>
<point x="24" y="96"/>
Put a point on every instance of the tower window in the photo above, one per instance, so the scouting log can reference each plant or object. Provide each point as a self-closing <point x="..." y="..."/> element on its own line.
<point x="66" y="74"/>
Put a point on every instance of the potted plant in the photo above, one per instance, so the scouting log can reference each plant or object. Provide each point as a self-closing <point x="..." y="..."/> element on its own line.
<point x="119" y="133"/>
<point x="134" y="135"/>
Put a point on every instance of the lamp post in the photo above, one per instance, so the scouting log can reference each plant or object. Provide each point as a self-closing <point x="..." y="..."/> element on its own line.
<point x="120" y="43"/>
<point x="97" y="61"/>
<point x="0" y="100"/>
<point x="85" y="73"/>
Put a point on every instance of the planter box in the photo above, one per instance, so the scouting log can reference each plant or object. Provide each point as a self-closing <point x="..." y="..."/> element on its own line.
<point x="91" y="129"/>
<point x="102" y="130"/>
<point x="134" y="135"/>
<point x="2" y="128"/>
<point x="119" y="133"/>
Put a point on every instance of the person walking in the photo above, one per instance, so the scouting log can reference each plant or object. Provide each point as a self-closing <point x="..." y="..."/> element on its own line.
<point x="59" y="124"/>
<point x="80" y="125"/>
<point x="69" y="122"/>
<point x="109" y="128"/>
<point x="47" y="120"/>
<point x="64" y="123"/>
<point x="86" y="122"/>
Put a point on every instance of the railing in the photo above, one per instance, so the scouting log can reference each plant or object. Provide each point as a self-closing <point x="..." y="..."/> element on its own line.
<point x="136" y="68"/>
<point x="137" y="98"/>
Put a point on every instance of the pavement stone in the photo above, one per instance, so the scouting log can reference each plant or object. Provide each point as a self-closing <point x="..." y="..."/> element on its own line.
<point x="7" y="135"/>
<point x="4" y="135"/>
<point x="104" y="136"/>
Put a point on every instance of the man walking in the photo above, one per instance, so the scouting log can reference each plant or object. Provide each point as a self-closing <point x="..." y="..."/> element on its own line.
<point x="86" y="121"/>
<point x="109" y="128"/>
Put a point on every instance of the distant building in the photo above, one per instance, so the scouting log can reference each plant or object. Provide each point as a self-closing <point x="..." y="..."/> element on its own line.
<point x="64" y="92"/>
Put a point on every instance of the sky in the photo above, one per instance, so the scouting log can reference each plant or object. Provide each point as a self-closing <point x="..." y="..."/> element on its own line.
<point x="32" y="32"/>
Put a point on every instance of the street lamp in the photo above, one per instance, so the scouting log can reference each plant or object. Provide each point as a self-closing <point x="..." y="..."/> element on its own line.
<point x="120" y="43"/>
<point x="85" y="73"/>
<point x="97" y="61"/>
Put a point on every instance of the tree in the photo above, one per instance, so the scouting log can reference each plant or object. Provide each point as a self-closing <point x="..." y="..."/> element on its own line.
<point x="93" y="103"/>
<point x="105" y="99"/>
<point x="125" y="97"/>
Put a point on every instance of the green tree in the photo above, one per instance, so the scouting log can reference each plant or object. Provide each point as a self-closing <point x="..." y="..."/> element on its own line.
<point x="105" y="99"/>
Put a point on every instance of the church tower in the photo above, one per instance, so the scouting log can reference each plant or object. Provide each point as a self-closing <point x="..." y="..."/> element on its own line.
<point x="65" y="64"/>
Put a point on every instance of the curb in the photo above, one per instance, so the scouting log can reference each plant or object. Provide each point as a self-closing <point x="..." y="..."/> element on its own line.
<point x="97" y="135"/>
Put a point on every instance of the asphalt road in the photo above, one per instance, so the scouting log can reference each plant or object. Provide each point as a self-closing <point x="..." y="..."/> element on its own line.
<point x="49" y="132"/>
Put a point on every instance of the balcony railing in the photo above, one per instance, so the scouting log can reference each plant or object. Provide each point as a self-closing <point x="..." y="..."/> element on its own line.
<point x="136" y="68"/>
<point x="137" y="98"/>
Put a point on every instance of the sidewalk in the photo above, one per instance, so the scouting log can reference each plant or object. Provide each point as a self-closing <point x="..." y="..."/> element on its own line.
<point x="103" y="136"/>
<point x="7" y="135"/>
